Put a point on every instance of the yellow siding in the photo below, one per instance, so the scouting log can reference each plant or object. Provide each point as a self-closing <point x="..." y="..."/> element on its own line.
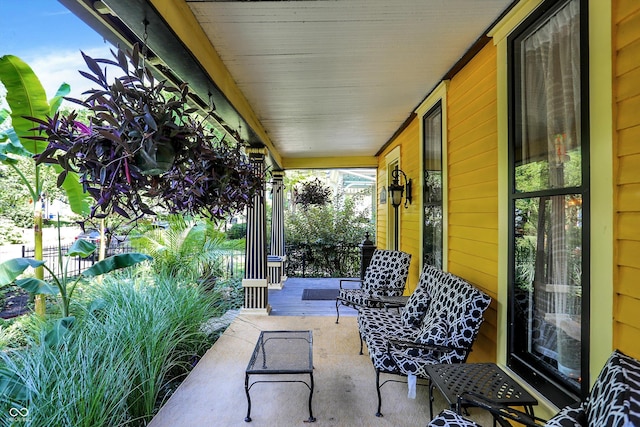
<point x="473" y="186"/>
<point x="409" y="142"/>
<point x="626" y="326"/>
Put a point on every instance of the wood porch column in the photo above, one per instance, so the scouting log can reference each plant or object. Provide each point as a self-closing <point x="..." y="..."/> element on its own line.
<point x="277" y="256"/>
<point x="256" y="295"/>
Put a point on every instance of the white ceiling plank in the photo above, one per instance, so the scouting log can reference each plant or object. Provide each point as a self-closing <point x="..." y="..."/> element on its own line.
<point x="340" y="77"/>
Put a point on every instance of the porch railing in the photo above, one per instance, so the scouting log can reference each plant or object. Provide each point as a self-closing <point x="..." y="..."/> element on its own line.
<point x="303" y="260"/>
<point x="320" y="260"/>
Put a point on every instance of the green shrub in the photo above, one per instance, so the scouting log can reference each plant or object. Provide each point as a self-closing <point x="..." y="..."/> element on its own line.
<point x="330" y="224"/>
<point x="116" y="364"/>
<point x="9" y="232"/>
<point x="237" y="231"/>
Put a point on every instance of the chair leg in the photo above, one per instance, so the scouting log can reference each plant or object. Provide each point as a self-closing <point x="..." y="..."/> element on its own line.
<point x="360" y="335"/>
<point x="378" y="414"/>
<point x="337" y="310"/>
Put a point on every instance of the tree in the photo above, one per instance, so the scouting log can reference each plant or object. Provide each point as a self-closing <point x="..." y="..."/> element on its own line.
<point x="27" y="99"/>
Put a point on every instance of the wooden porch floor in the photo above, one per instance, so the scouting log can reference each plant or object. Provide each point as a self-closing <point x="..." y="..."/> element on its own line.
<point x="288" y="300"/>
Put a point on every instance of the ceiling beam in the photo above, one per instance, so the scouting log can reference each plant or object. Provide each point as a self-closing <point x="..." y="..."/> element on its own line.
<point x="330" y="162"/>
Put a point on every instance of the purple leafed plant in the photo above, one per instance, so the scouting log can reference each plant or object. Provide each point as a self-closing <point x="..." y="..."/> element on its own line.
<point x="142" y="142"/>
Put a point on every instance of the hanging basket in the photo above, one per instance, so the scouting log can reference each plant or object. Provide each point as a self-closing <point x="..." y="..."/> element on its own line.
<point x="156" y="159"/>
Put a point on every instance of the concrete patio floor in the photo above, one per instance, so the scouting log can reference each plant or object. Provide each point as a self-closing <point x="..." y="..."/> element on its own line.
<point x="345" y="395"/>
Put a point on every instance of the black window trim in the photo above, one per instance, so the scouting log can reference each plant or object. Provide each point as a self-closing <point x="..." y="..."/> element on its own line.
<point x="560" y="394"/>
<point x="435" y="107"/>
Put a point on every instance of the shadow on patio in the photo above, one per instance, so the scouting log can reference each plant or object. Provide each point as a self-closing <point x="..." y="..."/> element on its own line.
<point x="344" y="394"/>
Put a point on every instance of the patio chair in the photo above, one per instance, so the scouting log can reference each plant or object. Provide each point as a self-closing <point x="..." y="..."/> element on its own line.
<point x="446" y="333"/>
<point x="385" y="276"/>
<point x="614" y="401"/>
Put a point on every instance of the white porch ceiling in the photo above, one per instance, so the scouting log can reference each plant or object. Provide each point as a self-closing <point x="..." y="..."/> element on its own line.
<point x="337" y="78"/>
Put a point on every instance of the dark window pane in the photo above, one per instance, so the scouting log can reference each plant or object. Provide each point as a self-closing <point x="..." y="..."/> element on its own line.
<point x="432" y="237"/>
<point x="548" y="283"/>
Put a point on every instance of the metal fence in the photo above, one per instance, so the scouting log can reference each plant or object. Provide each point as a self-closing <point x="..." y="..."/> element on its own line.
<point x="303" y="260"/>
<point x="73" y="265"/>
<point x="318" y="260"/>
<point x="231" y="262"/>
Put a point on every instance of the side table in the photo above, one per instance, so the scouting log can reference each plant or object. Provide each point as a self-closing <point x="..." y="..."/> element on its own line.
<point x="485" y="379"/>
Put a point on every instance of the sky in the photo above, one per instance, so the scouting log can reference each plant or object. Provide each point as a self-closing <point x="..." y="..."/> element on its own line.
<point x="49" y="38"/>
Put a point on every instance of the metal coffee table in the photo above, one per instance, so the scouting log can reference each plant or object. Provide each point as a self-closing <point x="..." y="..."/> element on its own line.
<point x="485" y="379"/>
<point x="281" y="353"/>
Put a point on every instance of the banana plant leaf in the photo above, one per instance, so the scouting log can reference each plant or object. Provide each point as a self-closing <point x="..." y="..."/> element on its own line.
<point x="26" y="97"/>
<point x="115" y="262"/>
<point x="59" y="331"/>
<point x="36" y="286"/>
<point x="11" y="269"/>
<point x="81" y="248"/>
<point x="11" y="385"/>
<point x="57" y="99"/>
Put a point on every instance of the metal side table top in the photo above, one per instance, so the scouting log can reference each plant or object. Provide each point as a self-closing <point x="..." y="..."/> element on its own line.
<point x="485" y="379"/>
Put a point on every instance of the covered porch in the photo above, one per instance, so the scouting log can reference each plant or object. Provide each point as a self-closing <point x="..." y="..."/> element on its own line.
<point x="344" y="392"/>
<point x="314" y="84"/>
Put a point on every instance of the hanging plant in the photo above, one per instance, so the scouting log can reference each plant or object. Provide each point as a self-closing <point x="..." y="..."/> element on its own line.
<point x="313" y="192"/>
<point x="143" y="142"/>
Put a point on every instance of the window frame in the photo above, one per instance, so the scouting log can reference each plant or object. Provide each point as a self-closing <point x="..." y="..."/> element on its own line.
<point x="436" y="108"/>
<point x="534" y="373"/>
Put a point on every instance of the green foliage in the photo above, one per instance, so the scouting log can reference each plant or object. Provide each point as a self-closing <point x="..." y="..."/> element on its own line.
<point x="117" y="365"/>
<point x="237" y="231"/>
<point x="329" y="224"/>
<point x="16" y="202"/>
<point x="28" y="102"/>
<point x="187" y="248"/>
<point x="12" y="269"/>
<point x="9" y="233"/>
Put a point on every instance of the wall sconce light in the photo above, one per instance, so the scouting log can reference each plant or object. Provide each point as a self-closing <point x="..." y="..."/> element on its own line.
<point x="396" y="189"/>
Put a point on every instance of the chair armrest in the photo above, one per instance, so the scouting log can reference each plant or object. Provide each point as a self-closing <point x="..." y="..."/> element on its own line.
<point x="500" y="412"/>
<point x="391" y="302"/>
<point x="392" y="342"/>
<point x="350" y="280"/>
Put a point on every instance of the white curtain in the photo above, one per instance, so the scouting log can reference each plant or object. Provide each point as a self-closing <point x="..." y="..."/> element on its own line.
<point x="551" y="87"/>
<point x="550" y="118"/>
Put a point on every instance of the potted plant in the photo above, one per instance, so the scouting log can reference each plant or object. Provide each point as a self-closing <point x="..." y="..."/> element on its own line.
<point x="143" y="141"/>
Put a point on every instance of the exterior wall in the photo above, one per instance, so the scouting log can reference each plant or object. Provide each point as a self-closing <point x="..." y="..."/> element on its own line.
<point x="471" y="150"/>
<point x="473" y="186"/>
<point x="409" y="142"/>
<point x="626" y="46"/>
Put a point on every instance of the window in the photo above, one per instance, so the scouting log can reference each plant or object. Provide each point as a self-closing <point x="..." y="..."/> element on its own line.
<point x="432" y="229"/>
<point x="548" y="261"/>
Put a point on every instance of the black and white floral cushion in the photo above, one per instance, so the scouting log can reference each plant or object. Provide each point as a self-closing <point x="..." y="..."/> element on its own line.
<point x="434" y="331"/>
<point x="569" y="416"/>
<point x="632" y="372"/>
<point x="608" y="403"/>
<point x="459" y="308"/>
<point x="386" y="275"/>
<point x="448" y="418"/>
<point x="416" y="307"/>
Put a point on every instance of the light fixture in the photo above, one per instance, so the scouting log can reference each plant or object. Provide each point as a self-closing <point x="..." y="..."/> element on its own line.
<point x="396" y="189"/>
